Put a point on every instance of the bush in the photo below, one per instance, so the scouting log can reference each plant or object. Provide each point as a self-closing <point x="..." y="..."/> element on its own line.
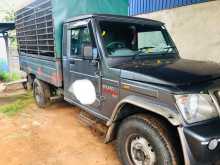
<point x="6" y="77"/>
<point x="15" y="76"/>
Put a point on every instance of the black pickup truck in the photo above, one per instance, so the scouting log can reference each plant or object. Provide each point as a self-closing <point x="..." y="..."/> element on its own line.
<point x="127" y="72"/>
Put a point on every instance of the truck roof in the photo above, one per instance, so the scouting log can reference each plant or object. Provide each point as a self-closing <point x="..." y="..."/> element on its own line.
<point x="116" y="17"/>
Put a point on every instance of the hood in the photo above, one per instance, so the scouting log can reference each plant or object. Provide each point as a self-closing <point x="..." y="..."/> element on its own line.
<point x="178" y="72"/>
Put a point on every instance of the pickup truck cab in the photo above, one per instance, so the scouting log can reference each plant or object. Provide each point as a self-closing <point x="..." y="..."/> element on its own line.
<point x="127" y="72"/>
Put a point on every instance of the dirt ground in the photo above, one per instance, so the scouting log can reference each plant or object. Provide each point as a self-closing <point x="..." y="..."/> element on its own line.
<point x="53" y="136"/>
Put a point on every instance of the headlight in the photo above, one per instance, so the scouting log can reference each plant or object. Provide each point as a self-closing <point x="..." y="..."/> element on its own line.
<point x="196" y="107"/>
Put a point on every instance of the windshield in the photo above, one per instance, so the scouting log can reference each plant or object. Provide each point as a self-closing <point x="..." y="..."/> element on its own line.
<point x="129" y="39"/>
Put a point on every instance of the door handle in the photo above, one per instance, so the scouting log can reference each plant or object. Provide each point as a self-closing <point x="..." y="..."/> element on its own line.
<point x="97" y="73"/>
<point x="93" y="63"/>
<point x="72" y="62"/>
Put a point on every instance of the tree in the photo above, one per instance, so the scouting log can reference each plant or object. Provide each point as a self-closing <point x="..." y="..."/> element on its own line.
<point x="10" y="17"/>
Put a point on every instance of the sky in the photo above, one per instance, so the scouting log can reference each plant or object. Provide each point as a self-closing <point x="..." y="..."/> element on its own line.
<point x="8" y="5"/>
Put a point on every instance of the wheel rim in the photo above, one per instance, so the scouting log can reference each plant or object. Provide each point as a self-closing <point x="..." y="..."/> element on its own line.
<point x="140" y="151"/>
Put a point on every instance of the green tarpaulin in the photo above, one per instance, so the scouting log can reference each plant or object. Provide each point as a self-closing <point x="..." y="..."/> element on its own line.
<point x="68" y="8"/>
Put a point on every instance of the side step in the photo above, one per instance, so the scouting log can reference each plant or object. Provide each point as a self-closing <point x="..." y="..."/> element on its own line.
<point x="56" y="98"/>
<point x="86" y="119"/>
<point x="17" y="82"/>
<point x="90" y="121"/>
<point x="13" y="85"/>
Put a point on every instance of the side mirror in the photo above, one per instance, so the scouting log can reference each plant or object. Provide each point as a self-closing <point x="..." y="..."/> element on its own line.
<point x="89" y="53"/>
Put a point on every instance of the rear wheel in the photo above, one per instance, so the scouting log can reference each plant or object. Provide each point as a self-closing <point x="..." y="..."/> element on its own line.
<point x="41" y="93"/>
<point x="142" y="140"/>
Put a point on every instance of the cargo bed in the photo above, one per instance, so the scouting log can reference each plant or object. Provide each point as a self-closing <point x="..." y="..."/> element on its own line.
<point x="44" y="68"/>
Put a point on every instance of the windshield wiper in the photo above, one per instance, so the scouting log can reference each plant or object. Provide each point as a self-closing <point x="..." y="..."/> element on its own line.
<point x="141" y="52"/>
<point x="146" y="47"/>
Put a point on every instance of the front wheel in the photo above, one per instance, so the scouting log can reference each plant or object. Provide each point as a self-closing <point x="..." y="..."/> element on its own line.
<point x="41" y="93"/>
<point x="142" y="140"/>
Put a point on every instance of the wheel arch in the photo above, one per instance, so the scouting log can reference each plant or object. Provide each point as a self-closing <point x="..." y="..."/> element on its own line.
<point x="132" y="105"/>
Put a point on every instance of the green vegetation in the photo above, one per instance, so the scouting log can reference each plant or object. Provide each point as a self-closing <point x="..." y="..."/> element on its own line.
<point x="6" y="77"/>
<point x="10" y="17"/>
<point x="13" y="108"/>
<point x="3" y="76"/>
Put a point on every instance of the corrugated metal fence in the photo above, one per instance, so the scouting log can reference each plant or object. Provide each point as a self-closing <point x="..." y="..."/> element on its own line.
<point x="146" y="6"/>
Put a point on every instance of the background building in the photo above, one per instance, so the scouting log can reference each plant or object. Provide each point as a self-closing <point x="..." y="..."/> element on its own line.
<point x="193" y="24"/>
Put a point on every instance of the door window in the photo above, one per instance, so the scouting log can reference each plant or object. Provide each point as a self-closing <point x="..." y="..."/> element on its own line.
<point x="75" y="42"/>
<point x="79" y="37"/>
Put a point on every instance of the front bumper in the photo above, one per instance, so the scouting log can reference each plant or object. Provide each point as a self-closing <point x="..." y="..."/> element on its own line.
<point x="195" y="140"/>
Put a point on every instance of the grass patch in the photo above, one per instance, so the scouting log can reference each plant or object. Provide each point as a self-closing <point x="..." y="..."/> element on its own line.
<point x="6" y="77"/>
<point x="13" y="108"/>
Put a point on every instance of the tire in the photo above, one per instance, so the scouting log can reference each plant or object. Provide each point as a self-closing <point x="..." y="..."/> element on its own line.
<point x="41" y="93"/>
<point x="143" y="140"/>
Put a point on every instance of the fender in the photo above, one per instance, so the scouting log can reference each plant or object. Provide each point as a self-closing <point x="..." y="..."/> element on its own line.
<point x="171" y="115"/>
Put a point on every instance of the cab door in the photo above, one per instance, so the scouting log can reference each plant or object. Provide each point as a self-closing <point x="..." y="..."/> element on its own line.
<point x="82" y="79"/>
